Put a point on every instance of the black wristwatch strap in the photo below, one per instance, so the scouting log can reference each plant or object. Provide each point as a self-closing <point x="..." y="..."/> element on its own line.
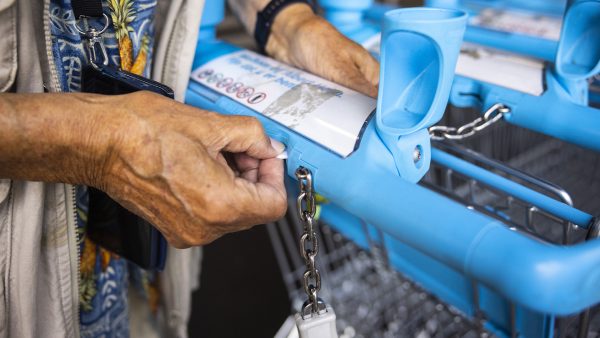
<point x="87" y="8"/>
<point x="265" y="18"/>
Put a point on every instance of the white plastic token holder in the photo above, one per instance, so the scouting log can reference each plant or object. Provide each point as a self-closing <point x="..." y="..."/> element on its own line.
<point x="321" y="325"/>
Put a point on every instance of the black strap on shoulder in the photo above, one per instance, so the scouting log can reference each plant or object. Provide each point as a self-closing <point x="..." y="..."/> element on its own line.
<point x="87" y="8"/>
<point x="265" y="18"/>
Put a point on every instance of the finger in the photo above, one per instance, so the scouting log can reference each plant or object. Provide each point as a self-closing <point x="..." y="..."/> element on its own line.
<point x="271" y="188"/>
<point x="266" y="199"/>
<point x="367" y="65"/>
<point x="270" y="174"/>
<point x="245" y="134"/>
<point x="359" y="70"/>
<point x="356" y="80"/>
<point x="221" y="160"/>
<point x="348" y="70"/>
<point x="247" y="166"/>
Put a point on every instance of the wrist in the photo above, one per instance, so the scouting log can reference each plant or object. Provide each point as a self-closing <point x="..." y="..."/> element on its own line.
<point x="97" y="134"/>
<point x="285" y="28"/>
<point x="52" y="137"/>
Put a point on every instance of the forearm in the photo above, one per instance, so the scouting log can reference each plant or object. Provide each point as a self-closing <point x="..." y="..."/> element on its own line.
<point x="302" y="39"/>
<point x="284" y="26"/>
<point x="52" y="137"/>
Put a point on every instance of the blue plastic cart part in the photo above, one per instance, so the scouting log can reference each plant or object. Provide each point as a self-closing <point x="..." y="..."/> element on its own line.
<point x="414" y="83"/>
<point x="212" y="15"/>
<point x="543" y="277"/>
<point x="578" y="55"/>
<point x="545" y="7"/>
<point x="547" y="278"/>
<point x="561" y="100"/>
<point x="535" y="22"/>
<point x="424" y="79"/>
<point x="533" y="31"/>
<point x="348" y="18"/>
<point x="540" y="276"/>
<point x="550" y="205"/>
<point x="436" y="241"/>
<point x="553" y="113"/>
<point x="524" y="27"/>
<point x="561" y="111"/>
<point x="595" y="92"/>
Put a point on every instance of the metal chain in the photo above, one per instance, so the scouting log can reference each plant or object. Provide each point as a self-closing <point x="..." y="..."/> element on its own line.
<point x="491" y="116"/>
<point x="309" y="245"/>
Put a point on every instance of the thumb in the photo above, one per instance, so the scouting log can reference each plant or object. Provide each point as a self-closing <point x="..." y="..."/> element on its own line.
<point x="244" y="134"/>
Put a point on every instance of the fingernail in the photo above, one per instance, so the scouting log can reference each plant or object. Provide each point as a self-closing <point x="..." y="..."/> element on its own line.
<point x="280" y="147"/>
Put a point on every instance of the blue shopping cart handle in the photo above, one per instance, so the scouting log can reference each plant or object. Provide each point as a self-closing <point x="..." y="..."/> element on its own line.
<point x="553" y="113"/>
<point x="347" y="15"/>
<point x="560" y="109"/>
<point x="546" y="278"/>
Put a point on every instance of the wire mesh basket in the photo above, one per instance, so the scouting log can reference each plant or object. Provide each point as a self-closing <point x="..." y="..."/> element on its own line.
<point x="372" y="299"/>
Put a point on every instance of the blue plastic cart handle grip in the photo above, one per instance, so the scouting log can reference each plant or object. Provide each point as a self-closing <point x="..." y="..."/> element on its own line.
<point x="418" y="57"/>
<point x="420" y="47"/>
<point x="578" y="55"/>
<point x="564" y="280"/>
<point x="547" y="278"/>
<point x="553" y="113"/>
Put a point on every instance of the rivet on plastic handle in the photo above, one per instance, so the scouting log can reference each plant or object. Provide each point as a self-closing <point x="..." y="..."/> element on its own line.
<point x="420" y="47"/>
<point x="578" y="55"/>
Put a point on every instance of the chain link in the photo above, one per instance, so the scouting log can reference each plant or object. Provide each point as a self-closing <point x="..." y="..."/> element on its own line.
<point x="309" y="244"/>
<point x="491" y="116"/>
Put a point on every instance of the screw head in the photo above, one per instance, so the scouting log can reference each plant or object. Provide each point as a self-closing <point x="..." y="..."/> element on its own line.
<point x="417" y="155"/>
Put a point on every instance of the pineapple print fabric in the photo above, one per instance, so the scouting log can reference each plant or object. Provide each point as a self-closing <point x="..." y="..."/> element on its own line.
<point x="128" y="40"/>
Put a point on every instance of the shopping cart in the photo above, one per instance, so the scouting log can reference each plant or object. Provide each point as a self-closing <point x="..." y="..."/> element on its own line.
<point x="500" y="277"/>
<point x="375" y="298"/>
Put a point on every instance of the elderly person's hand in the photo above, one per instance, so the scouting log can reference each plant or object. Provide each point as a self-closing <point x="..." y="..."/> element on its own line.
<point x="305" y="40"/>
<point x="194" y="174"/>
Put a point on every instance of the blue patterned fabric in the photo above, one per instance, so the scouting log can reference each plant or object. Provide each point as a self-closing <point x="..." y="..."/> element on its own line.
<point x="69" y="52"/>
<point x="104" y="276"/>
<point x="103" y="312"/>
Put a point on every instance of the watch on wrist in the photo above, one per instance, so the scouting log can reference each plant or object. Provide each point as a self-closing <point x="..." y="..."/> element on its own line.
<point x="266" y="17"/>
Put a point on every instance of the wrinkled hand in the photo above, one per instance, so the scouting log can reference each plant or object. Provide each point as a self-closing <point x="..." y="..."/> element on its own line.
<point x="194" y="174"/>
<point x="305" y="40"/>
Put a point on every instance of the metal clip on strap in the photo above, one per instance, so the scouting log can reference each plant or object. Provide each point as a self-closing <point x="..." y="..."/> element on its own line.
<point x="95" y="44"/>
<point x="92" y="9"/>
